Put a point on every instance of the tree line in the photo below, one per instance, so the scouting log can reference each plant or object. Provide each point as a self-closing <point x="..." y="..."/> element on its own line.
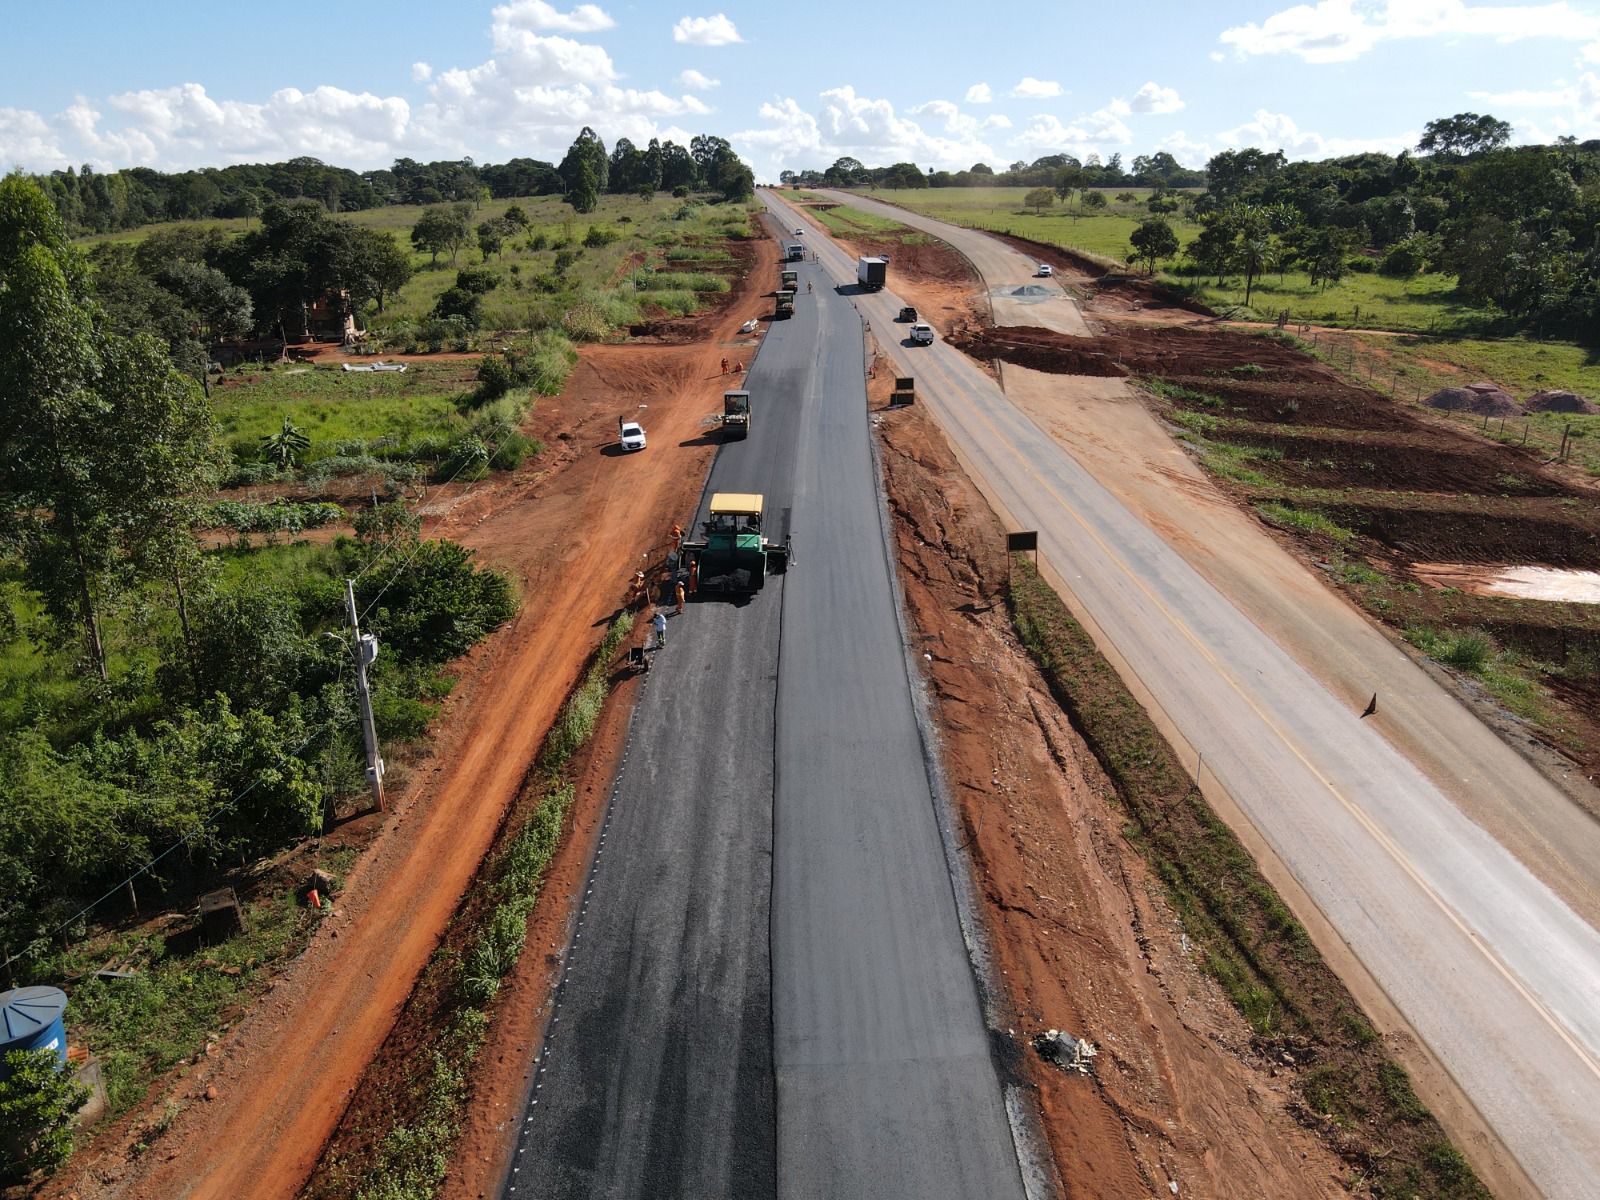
<point x="1517" y="226"/>
<point x="90" y="201"/>
<point x="1158" y="170"/>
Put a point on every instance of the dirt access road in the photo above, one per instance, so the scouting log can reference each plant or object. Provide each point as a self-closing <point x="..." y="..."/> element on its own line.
<point x="570" y="527"/>
<point x="1495" y="973"/>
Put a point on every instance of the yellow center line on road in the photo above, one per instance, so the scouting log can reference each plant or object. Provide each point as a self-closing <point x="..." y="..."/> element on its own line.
<point x="1284" y="736"/>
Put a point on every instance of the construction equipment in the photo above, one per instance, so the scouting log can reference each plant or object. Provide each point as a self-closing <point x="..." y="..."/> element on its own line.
<point x="734" y="555"/>
<point x="783" y="306"/>
<point x="872" y="273"/>
<point x="905" y="391"/>
<point x="789" y="279"/>
<point x="735" y="414"/>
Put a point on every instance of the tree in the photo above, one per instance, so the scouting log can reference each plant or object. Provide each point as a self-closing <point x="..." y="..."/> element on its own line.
<point x="37" y="1103"/>
<point x="1153" y="240"/>
<point x="1463" y="135"/>
<point x="375" y="267"/>
<point x="1255" y="254"/>
<point x="492" y="236"/>
<point x="1068" y="179"/>
<point x="101" y="432"/>
<point x="733" y="179"/>
<point x="1039" y="199"/>
<point x="1093" y="200"/>
<point x="440" y="229"/>
<point x="586" y="150"/>
<point x="583" y="189"/>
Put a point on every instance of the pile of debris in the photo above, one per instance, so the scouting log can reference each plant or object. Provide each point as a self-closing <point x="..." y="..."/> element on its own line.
<point x="1558" y="401"/>
<point x="1065" y="1051"/>
<point x="1479" y="399"/>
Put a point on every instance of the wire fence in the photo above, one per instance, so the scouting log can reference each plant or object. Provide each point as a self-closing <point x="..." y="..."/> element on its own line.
<point x="1412" y="379"/>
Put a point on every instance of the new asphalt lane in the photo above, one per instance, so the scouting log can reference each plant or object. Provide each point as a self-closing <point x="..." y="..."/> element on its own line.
<point x="768" y="993"/>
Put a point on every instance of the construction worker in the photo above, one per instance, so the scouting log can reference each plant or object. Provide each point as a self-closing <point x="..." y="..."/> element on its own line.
<point x="694" y="574"/>
<point x="677" y="533"/>
<point x="659" y="624"/>
<point x="678" y="591"/>
<point x="724" y="365"/>
<point x="738" y="368"/>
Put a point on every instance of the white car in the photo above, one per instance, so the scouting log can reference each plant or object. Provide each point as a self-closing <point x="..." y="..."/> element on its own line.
<point x="798" y="232"/>
<point x="921" y="334"/>
<point x="631" y="435"/>
<point x="1044" y="271"/>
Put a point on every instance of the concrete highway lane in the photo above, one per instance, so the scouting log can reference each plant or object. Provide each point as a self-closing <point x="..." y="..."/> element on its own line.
<point x="1494" y="972"/>
<point x="768" y="994"/>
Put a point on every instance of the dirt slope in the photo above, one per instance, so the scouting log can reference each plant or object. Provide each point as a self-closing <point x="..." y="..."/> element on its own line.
<point x="570" y="528"/>
<point x="1077" y="924"/>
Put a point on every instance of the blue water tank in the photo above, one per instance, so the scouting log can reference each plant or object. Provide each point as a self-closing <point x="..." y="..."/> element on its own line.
<point x="31" y="1019"/>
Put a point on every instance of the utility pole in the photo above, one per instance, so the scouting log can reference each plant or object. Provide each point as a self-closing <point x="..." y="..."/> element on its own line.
<point x="366" y="648"/>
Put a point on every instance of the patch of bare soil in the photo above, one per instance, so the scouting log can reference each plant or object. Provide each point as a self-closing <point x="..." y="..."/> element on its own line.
<point x="1079" y="928"/>
<point x="571" y="527"/>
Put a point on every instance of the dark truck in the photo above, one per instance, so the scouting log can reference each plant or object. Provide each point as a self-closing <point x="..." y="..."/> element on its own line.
<point x="872" y="273"/>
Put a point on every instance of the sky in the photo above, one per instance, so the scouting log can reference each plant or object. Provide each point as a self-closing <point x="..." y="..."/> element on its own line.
<point x="171" y="85"/>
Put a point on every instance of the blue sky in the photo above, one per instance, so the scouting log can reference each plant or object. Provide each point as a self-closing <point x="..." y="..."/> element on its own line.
<point x="792" y="86"/>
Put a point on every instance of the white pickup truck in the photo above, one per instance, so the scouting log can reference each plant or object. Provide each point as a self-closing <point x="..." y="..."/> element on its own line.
<point x="921" y="334"/>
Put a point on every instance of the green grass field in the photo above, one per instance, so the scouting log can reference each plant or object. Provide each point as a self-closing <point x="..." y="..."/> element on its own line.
<point x="648" y="232"/>
<point x="1427" y="303"/>
<point x="335" y="408"/>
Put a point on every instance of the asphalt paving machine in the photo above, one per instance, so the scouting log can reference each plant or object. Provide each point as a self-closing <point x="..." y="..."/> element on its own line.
<point x="734" y="555"/>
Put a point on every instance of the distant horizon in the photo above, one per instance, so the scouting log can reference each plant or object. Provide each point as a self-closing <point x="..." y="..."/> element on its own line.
<point x="519" y="79"/>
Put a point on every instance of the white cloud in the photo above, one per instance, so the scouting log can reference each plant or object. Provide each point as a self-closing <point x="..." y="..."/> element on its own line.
<point x="1342" y="30"/>
<point x="421" y="72"/>
<point x="997" y="121"/>
<point x="980" y="93"/>
<point x="706" y="31"/>
<point x="1153" y="98"/>
<point x="540" y="17"/>
<point x="1591" y="52"/>
<point x="1029" y="88"/>
<point x="700" y="83"/>
<point x="935" y="134"/>
<point x="1046" y="134"/>
<point x="26" y="140"/>
<point x="1186" y="150"/>
<point x="1217" y="56"/>
<point x="1278" y="131"/>
<point x="1576" y="109"/>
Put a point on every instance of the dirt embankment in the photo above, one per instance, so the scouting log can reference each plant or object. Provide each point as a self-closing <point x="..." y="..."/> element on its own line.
<point x="1078" y="924"/>
<point x="570" y="526"/>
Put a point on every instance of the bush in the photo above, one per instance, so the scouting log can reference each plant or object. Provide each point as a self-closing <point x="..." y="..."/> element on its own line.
<point x="439" y="605"/>
<point x="513" y="450"/>
<point x="681" y="191"/>
<point x="599" y="236"/>
<point x="1361" y="265"/>
<point x="37" y="1103"/>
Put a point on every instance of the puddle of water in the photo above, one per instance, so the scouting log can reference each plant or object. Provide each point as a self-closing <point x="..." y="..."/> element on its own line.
<point x="1525" y="583"/>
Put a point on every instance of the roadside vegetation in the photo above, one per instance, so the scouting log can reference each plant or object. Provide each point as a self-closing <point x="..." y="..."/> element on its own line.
<point x="177" y="708"/>
<point x="1350" y="1092"/>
